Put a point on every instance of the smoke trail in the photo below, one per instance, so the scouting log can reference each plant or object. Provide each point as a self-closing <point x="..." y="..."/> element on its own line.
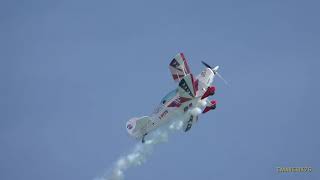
<point x="141" y="151"/>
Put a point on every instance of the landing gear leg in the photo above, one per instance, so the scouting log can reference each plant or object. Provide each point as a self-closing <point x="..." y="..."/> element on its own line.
<point x="143" y="140"/>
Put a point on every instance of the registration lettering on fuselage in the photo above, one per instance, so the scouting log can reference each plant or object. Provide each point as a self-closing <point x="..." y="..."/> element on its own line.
<point x="162" y="115"/>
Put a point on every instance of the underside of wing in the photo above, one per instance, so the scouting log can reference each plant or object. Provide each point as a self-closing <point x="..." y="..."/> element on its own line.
<point x="187" y="123"/>
<point x="179" y="67"/>
<point x="187" y="90"/>
<point x="187" y="87"/>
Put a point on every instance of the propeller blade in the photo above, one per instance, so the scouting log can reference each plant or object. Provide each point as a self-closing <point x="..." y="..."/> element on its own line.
<point x="219" y="75"/>
<point x="205" y="64"/>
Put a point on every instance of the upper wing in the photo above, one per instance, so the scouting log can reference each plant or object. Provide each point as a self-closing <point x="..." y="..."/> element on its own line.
<point x="187" y="87"/>
<point x="187" y="90"/>
<point x="179" y="67"/>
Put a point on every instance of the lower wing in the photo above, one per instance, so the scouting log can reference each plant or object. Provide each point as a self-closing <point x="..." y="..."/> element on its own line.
<point x="189" y="121"/>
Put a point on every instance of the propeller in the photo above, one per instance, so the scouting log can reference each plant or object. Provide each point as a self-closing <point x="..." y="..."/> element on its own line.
<point x="206" y="65"/>
<point x="215" y="71"/>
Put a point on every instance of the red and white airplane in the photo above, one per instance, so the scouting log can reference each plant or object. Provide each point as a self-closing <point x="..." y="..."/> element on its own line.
<point x="192" y="92"/>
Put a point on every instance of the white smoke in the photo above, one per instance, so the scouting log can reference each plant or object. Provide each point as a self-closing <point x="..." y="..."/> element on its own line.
<point x="142" y="150"/>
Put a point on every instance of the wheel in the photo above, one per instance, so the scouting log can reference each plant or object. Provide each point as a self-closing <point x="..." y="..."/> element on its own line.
<point x="185" y="109"/>
<point x="143" y="138"/>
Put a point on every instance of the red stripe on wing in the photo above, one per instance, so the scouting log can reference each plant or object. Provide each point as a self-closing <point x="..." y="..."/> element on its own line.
<point x="178" y="102"/>
<point x="185" y="63"/>
<point x="196" y="84"/>
<point x="177" y="76"/>
<point x="184" y="99"/>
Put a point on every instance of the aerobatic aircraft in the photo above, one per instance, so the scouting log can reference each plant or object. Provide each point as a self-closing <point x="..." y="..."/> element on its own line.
<point x="192" y="92"/>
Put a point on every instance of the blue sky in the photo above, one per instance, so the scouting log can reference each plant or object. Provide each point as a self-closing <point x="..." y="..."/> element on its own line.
<point x="73" y="72"/>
